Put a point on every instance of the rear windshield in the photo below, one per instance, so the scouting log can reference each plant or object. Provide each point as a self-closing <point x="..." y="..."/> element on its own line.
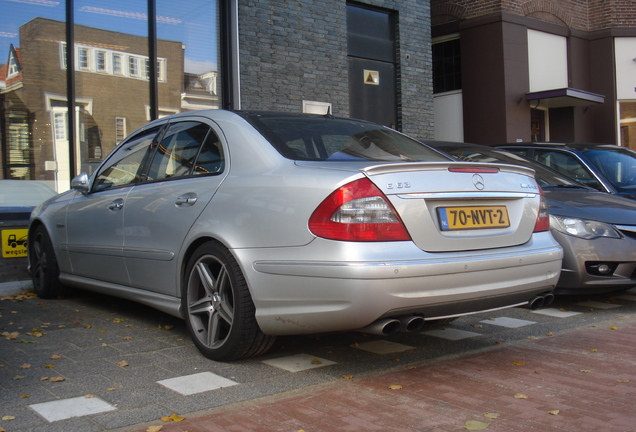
<point x="325" y="138"/>
<point x="617" y="165"/>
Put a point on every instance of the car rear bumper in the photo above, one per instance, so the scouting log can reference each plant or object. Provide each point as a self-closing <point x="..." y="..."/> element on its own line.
<point x="354" y="284"/>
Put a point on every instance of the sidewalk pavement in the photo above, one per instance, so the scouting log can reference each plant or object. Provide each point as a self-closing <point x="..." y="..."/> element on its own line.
<point x="584" y="380"/>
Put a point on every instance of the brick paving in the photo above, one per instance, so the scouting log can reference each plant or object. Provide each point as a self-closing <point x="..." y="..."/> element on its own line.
<point x="579" y="381"/>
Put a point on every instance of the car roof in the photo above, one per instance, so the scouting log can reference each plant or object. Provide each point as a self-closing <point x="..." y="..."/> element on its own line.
<point x="563" y="145"/>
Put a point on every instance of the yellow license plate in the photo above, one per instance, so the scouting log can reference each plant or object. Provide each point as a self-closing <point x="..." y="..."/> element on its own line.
<point x="472" y="217"/>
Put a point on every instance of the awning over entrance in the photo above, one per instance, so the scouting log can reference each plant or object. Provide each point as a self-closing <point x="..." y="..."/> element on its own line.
<point x="564" y="97"/>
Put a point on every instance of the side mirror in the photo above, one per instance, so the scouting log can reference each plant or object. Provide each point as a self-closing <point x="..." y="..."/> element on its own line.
<point x="80" y="183"/>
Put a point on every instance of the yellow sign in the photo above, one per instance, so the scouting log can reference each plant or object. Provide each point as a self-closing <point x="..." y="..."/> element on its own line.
<point x="371" y="77"/>
<point x="14" y="243"/>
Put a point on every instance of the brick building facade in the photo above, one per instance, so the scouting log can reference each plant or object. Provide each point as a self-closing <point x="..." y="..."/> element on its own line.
<point x="295" y="51"/>
<point x="505" y="45"/>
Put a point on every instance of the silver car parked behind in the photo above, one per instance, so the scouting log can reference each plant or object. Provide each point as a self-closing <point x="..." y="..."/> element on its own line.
<point x="251" y="225"/>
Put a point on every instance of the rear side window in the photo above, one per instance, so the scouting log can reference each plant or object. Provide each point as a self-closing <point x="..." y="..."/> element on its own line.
<point x="569" y="165"/>
<point x="123" y="168"/>
<point x="187" y="148"/>
<point x="325" y="138"/>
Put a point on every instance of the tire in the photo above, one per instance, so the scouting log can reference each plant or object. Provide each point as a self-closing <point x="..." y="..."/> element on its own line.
<point x="44" y="269"/>
<point x="218" y="309"/>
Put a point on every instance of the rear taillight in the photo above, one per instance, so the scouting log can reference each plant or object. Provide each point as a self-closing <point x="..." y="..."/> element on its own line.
<point x="357" y="211"/>
<point x="543" y="219"/>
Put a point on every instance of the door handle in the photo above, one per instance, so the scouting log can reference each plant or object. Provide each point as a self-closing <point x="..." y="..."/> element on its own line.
<point x="116" y="205"/>
<point x="187" y="199"/>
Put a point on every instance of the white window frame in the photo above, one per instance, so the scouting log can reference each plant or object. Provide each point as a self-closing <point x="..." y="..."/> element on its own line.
<point x="133" y="66"/>
<point x="101" y="61"/>
<point x="13" y="70"/>
<point x="81" y="64"/>
<point x="120" y="129"/>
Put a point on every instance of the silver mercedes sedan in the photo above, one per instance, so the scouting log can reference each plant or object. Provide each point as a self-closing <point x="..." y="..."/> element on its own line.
<point x="251" y="225"/>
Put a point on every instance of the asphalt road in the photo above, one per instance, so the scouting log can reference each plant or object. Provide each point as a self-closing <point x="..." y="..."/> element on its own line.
<point x="92" y="363"/>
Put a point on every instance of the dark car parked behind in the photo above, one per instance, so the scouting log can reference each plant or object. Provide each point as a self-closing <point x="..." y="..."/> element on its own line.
<point x="608" y="168"/>
<point x="596" y="230"/>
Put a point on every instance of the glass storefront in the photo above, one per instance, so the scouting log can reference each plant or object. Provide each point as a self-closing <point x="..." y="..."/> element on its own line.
<point x="112" y="87"/>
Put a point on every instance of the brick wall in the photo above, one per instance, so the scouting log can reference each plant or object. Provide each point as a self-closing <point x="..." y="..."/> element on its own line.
<point x="295" y="51"/>
<point x="585" y="15"/>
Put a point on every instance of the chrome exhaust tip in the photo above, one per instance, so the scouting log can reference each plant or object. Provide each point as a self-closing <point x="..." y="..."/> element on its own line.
<point x="382" y="327"/>
<point x="412" y="323"/>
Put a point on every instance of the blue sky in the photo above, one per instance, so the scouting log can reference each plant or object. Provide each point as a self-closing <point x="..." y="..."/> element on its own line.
<point x="193" y="22"/>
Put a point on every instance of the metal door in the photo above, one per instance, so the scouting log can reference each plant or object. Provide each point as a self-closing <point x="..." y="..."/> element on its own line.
<point x="372" y="71"/>
<point x="372" y="91"/>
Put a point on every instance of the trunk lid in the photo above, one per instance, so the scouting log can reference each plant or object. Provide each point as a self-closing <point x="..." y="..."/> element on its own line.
<point x="461" y="206"/>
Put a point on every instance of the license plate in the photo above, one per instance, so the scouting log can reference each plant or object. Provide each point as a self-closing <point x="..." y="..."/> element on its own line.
<point x="458" y="218"/>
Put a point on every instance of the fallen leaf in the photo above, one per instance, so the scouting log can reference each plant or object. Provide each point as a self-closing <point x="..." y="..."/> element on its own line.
<point x="89" y="396"/>
<point x="585" y="370"/>
<point x="57" y="379"/>
<point x="2" y="429"/>
<point x="353" y="345"/>
<point x="549" y="334"/>
<point x="476" y="425"/>
<point x="8" y="418"/>
<point x="518" y="363"/>
<point x="593" y="350"/>
<point x="395" y="387"/>
<point x="173" y="417"/>
<point x="111" y="389"/>
<point x="119" y="320"/>
<point x="396" y="359"/>
<point x="44" y="378"/>
<point x="347" y="376"/>
<point x="478" y="326"/>
<point x="554" y="412"/>
<point x="49" y="366"/>
<point x="154" y="428"/>
<point x="316" y="361"/>
<point x="520" y="396"/>
<point x="622" y="380"/>
<point x="491" y="415"/>
<point x="25" y="366"/>
<point x="533" y="337"/>
<point x="18" y="377"/>
<point x="123" y="363"/>
<point x="11" y="336"/>
<point x="613" y="328"/>
<point x="127" y="337"/>
<point x="24" y="396"/>
<point x="55" y="357"/>
<point x="87" y="326"/>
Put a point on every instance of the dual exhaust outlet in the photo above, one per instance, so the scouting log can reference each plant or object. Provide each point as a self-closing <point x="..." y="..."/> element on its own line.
<point x="415" y="323"/>
<point x="388" y="326"/>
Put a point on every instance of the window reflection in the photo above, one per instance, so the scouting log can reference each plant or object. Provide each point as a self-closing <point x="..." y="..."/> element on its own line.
<point x="112" y="78"/>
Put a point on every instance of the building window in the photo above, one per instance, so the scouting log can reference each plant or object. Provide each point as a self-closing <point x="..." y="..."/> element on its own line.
<point x="117" y="67"/>
<point x="59" y="125"/>
<point x="133" y="66"/>
<point x="83" y="59"/>
<point x="13" y="66"/>
<point x="100" y="61"/>
<point x="120" y="129"/>
<point x="161" y="70"/>
<point x="447" y="67"/>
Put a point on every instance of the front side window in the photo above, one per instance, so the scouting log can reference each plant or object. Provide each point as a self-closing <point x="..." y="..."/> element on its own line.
<point x="123" y="167"/>
<point x="178" y="150"/>
<point x="618" y="166"/>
